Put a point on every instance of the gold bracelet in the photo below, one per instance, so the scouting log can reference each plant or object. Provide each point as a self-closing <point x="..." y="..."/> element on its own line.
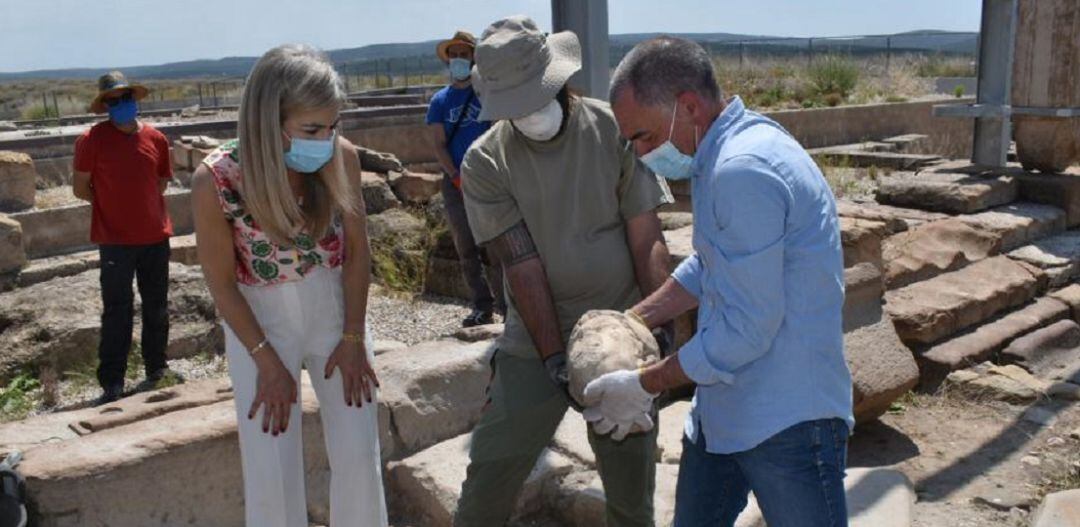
<point x="636" y="317"/>
<point x="259" y="347"/>
<point x="353" y="338"/>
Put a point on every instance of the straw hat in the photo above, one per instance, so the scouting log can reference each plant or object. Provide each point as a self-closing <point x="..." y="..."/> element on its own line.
<point x="463" y="38"/>
<point x="519" y="69"/>
<point x="113" y="84"/>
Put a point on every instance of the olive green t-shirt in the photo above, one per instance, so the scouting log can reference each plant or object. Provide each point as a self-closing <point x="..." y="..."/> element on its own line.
<point x="574" y="194"/>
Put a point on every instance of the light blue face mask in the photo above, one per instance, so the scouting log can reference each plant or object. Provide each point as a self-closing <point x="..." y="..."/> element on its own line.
<point x="460" y="69"/>
<point x="667" y="160"/>
<point x="309" y="155"/>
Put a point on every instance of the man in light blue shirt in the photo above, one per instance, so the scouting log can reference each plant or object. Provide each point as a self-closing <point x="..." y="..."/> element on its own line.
<point x="772" y="410"/>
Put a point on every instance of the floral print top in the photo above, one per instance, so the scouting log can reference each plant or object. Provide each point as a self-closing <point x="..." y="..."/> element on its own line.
<point x="260" y="261"/>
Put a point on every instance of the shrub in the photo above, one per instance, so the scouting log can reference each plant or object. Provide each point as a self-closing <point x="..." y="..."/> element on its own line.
<point x="833" y="75"/>
<point x="958" y="91"/>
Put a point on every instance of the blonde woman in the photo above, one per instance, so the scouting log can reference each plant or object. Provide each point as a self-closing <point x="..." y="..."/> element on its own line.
<point x="282" y="241"/>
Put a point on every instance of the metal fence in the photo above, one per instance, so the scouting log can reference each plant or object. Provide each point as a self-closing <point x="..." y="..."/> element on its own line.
<point x="877" y="54"/>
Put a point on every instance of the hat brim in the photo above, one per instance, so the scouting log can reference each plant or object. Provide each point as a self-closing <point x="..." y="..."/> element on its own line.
<point x="533" y="94"/>
<point x="444" y="47"/>
<point x="137" y="90"/>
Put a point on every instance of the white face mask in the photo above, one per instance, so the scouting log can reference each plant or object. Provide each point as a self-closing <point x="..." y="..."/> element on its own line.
<point x="542" y="124"/>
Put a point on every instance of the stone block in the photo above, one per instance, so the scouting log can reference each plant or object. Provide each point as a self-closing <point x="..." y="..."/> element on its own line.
<point x="425" y="487"/>
<point x="876" y="497"/>
<point x="90" y="479"/>
<point x="1018" y="223"/>
<point x="861" y="241"/>
<point x="986" y="340"/>
<point x="672" y="429"/>
<point x="890" y="160"/>
<point x="882" y="369"/>
<point x="953" y="193"/>
<point x="1009" y="383"/>
<point x="445" y="277"/>
<point x="183" y="249"/>
<point x="12" y="254"/>
<point x="18" y="181"/>
<point x="57" y="324"/>
<point x="1070" y="296"/>
<point x="934" y="248"/>
<point x="896" y="219"/>
<point x="1059" y="190"/>
<point x="572" y="440"/>
<point x="397" y="228"/>
<point x="1060" y="509"/>
<point x="1051" y="353"/>
<point x="44" y="269"/>
<point x="434" y="390"/>
<point x="928" y="311"/>
<point x="479" y="333"/>
<point x="377" y="194"/>
<point x="415" y="188"/>
<point x="670" y="221"/>
<point x="863" y="290"/>
<point x="1058" y="256"/>
<point x="578" y="499"/>
<point x="680" y="243"/>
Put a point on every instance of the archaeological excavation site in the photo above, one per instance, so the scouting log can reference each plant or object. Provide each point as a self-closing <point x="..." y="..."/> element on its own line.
<point x="960" y="229"/>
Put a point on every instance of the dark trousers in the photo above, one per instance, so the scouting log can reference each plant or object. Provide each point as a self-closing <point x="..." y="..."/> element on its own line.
<point x="487" y="291"/>
<point x="149" y="266"/>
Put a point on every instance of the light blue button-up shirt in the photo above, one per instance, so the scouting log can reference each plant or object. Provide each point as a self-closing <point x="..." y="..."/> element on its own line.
<point x="768" y="273"/>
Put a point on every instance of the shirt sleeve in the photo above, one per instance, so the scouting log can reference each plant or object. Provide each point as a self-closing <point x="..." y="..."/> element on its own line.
<point x="688" y="274"/>
<point x="435" y="110"/>
<point x="164" y="158"/>
<point x="84" y="154"/>
<point x="743" y="295"/>
<point x="489" y="205"/>
<point x="640" y="190"/>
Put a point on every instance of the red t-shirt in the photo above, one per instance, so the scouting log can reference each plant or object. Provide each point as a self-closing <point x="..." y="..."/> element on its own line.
<point x="125" y="170"/>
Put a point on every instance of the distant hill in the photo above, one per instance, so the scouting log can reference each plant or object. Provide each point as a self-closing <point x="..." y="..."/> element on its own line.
<point x="419" y="56"/>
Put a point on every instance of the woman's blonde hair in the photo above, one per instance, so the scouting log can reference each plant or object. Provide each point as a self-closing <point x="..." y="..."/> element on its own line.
<point x="288" y="78"/>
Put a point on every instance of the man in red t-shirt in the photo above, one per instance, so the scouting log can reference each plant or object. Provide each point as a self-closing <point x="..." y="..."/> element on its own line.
<point x="122" y="168"/>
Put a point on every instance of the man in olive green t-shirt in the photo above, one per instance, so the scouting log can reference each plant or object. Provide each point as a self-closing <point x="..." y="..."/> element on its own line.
<point x="557" y="198"/>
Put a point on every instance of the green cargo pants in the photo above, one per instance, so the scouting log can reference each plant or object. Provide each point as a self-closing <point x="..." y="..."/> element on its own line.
<point x="520" y="420"/>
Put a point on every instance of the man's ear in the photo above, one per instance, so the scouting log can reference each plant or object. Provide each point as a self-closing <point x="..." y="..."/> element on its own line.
<point x="691" y="105"/>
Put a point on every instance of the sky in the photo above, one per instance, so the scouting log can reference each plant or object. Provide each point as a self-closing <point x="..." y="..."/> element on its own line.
<point x="48" y="34"/>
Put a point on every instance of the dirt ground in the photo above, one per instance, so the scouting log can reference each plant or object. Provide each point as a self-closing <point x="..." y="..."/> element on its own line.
<point x="962" y="454"/>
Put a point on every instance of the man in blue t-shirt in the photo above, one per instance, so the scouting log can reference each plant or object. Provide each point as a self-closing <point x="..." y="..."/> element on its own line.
<point x="452" y="120"/>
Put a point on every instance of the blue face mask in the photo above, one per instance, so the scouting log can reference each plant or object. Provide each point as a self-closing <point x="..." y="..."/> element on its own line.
<point x="667" y="160"/>
<point x="124" y="112"/>
<point x="460" y="69"/>
<point x="309" y="155"/>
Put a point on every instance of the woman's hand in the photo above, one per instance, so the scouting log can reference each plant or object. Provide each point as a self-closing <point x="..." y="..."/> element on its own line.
<point x="275" y="391"/>
<point x="357" y="376"/>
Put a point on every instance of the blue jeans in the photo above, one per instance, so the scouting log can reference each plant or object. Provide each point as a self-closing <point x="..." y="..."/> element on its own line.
<point x="796" y="475"/>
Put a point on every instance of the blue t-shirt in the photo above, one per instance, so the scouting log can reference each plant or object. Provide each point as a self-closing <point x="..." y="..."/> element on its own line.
<point x="446" y="108"/>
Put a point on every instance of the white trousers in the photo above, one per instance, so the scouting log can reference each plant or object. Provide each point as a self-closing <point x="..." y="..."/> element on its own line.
<point x="303" y="321"/>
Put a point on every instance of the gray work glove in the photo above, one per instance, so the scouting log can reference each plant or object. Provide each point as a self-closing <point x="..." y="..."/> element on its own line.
<point x="557" y="371"/>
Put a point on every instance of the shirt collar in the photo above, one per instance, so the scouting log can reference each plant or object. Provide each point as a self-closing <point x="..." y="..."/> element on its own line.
<point x="733" y="112"/>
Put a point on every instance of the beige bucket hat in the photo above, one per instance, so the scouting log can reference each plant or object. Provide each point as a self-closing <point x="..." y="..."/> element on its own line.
<point x="519" y="69"/>
<point x="114" y="84"/>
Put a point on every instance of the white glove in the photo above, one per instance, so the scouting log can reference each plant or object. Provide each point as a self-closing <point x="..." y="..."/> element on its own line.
<point x="617" y="401"/>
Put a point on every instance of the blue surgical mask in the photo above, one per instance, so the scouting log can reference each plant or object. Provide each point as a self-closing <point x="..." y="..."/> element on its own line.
<point x="309" y="155"/>
<point x="667" y="160"/>
<point x="460" y="69"/>
<point x="124" y="112"/>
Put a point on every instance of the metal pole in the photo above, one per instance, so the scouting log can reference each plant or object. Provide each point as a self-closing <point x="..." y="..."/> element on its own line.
<point x="56" y="106"/>
<point x="888" y="53"/>
<point x="809" y="51"/>
<point x="345" y="71"/>
<point x="588" y="19"/>
<point x="742" y="54"/>
<point x="200" y="95"/>
<point x="997" y="32"/>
